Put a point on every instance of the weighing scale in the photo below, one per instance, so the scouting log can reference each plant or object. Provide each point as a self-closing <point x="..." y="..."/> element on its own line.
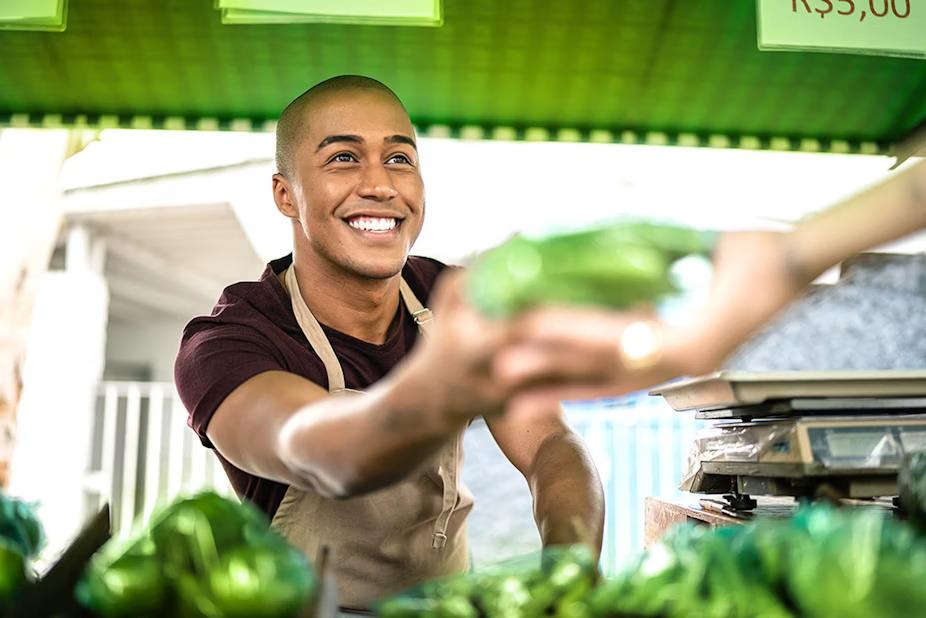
<point x="834" y="435"/>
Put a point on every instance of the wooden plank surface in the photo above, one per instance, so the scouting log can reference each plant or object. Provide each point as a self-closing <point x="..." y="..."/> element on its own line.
<point x="660" y="514"/>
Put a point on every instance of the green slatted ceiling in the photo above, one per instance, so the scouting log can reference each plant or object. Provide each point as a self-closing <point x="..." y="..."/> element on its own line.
<point x="638" y="71"/>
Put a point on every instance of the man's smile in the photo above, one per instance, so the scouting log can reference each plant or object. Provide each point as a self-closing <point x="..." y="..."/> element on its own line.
<point x="376" y="225"/>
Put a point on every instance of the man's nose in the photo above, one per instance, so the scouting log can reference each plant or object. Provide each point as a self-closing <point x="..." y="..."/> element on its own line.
<point x="376" y="183"/>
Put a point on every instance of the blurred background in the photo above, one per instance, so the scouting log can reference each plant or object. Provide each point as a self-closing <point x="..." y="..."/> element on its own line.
<point x="532" y="114"/>
<point x="156" y="223"/>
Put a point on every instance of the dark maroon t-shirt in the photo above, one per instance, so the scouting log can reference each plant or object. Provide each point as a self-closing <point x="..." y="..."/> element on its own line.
<point x="252" y="329"/>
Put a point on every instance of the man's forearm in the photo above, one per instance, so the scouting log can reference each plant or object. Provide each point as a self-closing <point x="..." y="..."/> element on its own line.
<point x="350" y="444"/>
<point x="568" y="498"/>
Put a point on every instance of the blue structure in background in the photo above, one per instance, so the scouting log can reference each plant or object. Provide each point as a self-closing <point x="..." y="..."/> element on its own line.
<point x="640" y="446"/>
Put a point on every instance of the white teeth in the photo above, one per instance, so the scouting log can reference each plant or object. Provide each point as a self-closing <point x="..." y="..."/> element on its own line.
<point x="373" y="224"/>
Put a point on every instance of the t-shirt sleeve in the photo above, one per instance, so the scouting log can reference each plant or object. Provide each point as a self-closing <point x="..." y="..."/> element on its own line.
<point x="213" y="362"/>
<point x="422" y="274"/>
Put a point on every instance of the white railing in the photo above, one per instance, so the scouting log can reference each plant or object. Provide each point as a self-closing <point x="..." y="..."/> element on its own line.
<point x="144" y="455"/>
<point x="143" y="452"/>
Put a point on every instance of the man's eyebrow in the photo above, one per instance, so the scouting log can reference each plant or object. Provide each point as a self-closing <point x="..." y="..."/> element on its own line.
<point x="401" y="139"/>
<point x="356" y="139"/>
<point x="331" y="139"/>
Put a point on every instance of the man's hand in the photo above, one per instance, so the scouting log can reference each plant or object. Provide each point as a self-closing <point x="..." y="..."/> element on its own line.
<point x="455" y="359"/>
<point x="567" y="353"/>
<point x="283" y="427"/>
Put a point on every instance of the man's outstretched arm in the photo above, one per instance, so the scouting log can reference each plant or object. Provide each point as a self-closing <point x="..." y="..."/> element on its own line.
<point x="564" y="483"/>
<point x="280" y="426"/>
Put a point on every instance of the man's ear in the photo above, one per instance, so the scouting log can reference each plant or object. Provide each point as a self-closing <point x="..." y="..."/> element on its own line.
<point x="284" y="196"/>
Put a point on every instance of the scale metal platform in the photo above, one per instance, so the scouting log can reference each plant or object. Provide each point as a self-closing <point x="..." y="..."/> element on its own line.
<point x="803" y="434"/>
<point x="822" y="406"/>
<point x="734" y="389"/>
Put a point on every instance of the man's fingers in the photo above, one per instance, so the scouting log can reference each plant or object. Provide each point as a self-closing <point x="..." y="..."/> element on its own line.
<point x="541" y="401"/>
<point x="556" y="324"/>
<point x="578" y="326"/>
<point x="519" y="365"/>
<point x="449" y="289"/>
<point x="516" y="365"/>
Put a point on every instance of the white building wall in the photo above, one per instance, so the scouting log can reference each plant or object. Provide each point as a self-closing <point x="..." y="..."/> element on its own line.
<point x="64" y="362"/>
<point x="152" y="344"/>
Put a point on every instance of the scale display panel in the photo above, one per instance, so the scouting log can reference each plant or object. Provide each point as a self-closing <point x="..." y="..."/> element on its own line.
<point x="856" y="446"/>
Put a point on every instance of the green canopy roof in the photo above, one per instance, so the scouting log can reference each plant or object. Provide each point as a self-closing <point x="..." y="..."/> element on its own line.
<point x="656" y="71"/>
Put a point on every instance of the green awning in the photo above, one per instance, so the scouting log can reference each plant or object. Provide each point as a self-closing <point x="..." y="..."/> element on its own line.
<point x="641" y="71"/>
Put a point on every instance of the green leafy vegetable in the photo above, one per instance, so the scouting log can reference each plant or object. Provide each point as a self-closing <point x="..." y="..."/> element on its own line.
<point x="616" y="266"/>
<point x="21" y="539"/>
<point x="822" y="562"/>
<point x="204" y="556"/>
<point x="555" y="584"/>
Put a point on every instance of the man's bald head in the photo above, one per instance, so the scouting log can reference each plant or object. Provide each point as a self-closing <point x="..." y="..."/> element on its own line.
<point x="291" y="128"/>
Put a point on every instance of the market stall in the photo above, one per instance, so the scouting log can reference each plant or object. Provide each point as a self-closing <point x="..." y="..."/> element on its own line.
<point x="667" y="72"/>
<point x="664" y="72"/>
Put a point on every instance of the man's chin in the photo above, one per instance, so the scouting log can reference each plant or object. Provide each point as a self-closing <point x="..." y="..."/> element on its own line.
<point x="380" y="269"/>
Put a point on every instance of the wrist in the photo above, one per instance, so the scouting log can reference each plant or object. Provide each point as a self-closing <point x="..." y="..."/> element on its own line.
<point x="694" y="349"/>
<point x="797" y="265"/>
<point x="416" y="398"/>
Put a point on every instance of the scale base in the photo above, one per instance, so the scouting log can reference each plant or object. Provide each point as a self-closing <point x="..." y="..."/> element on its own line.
<point x="738" y="489"/>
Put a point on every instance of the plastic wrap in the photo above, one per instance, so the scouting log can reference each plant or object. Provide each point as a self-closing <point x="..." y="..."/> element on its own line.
<point x="745" y="442"/>
<point x="820" y="444"/>
<point x="733" y="443"/>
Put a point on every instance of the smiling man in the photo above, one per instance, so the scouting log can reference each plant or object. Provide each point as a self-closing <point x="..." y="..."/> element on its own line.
<point x="334" y="400"/>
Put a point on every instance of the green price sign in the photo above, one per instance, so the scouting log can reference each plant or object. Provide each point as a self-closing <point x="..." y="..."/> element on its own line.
<point x="878" y="27"/>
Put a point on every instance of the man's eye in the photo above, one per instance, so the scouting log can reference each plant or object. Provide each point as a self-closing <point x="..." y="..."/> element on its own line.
<point x="343" y="157"/>
<point x="399" y="158"/>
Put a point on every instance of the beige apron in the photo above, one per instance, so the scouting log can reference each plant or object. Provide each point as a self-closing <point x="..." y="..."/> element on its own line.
<point x="388" y="540"/>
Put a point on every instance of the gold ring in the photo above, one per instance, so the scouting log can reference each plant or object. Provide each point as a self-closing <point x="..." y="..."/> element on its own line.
<point x="641" y="345"/>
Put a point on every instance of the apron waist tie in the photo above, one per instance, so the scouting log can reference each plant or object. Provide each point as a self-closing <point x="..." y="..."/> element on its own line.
<point x="448" y="474"/>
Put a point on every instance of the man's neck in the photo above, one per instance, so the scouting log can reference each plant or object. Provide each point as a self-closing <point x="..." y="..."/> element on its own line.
<point x="358" y="306"/>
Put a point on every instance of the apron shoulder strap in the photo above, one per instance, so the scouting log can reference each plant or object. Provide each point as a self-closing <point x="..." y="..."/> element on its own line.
<point x="316" y="336"/>
<point x="449" y="468"/>
<point x="422" y="314"/>
<point x="314" y="333"/>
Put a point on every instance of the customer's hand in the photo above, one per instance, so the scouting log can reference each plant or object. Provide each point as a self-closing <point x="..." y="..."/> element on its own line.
<point x="559" y="353"/>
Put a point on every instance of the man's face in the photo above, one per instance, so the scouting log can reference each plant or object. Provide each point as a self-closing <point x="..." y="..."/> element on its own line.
<point x="357" y="185"/>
